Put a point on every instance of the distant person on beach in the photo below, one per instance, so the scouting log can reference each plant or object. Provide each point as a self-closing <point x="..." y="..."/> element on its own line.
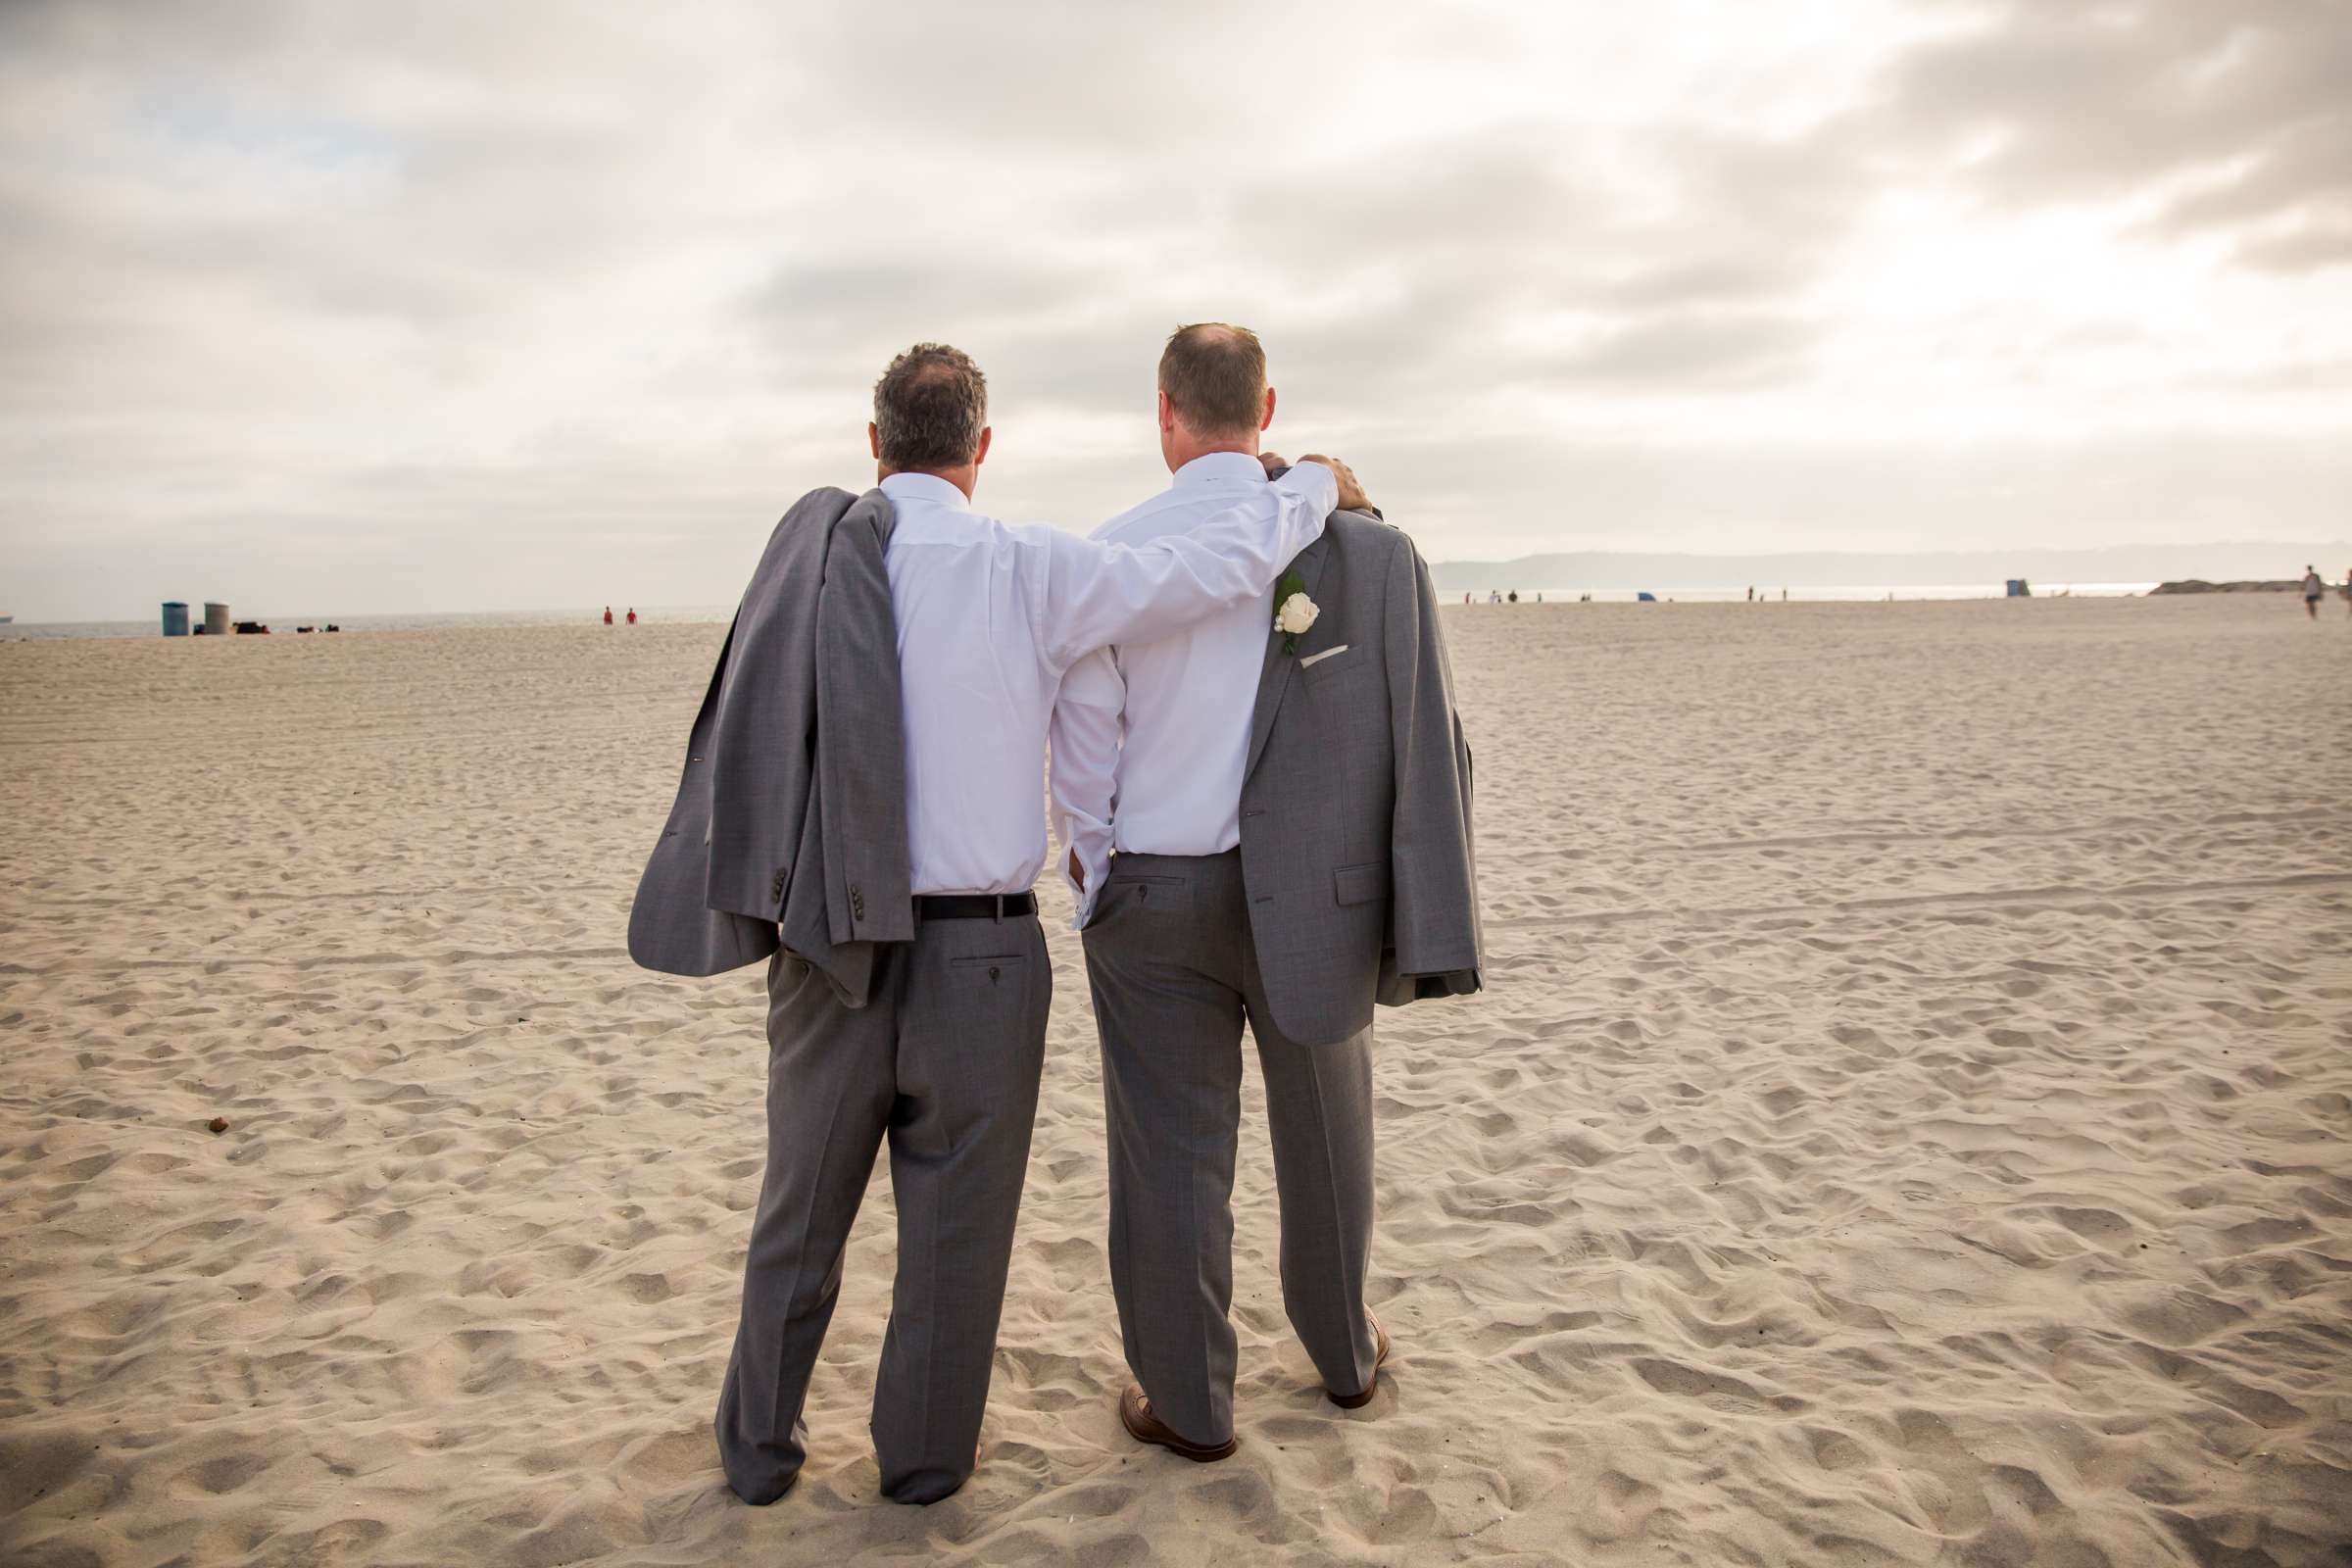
<point x="2313" y="589"/>
<point x="859" y="808"/>
<point x="632" y="615"/>
<point x="1289" y="859"/>
<point x="608" y="615"/>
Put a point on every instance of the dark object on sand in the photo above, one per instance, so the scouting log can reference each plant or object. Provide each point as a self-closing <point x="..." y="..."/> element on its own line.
<point x="252" y="628"/>
<point x="2018" y="588"/>
<point x="219" y="1124"/>
<point x="2197" y="585"/>
<point x="1646" y="598"/>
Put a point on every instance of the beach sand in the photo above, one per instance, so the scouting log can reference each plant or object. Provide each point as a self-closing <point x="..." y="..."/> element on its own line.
<point x="1906" y="1123"/>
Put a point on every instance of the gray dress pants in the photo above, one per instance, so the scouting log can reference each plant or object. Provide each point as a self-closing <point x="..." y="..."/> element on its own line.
<point x="944" y="1062"/>
<point x="1174" y="973"/>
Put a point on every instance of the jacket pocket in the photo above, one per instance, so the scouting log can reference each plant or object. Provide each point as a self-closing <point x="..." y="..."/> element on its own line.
<point x="1333" y="663"/>
<point x="1360" y="884"/>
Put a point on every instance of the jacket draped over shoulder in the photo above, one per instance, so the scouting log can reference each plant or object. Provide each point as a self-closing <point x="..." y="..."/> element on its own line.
<point x="790" y="823"/>
<point x="1357" y="806"/>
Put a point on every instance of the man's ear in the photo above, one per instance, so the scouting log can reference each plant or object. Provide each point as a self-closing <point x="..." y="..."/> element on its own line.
<point x="1168" y="414"/>
<point x="873" y="439"/>
<point x="1263" y="424"/>
<point x="987" y="432"/>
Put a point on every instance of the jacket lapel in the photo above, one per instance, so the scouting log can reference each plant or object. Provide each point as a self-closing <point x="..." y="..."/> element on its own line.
<point x="1274" y="677"/>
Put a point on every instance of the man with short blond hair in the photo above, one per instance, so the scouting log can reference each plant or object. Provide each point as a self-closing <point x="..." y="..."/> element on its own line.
<point x="1213" y="377"/>
<point x="1256" y="860"/>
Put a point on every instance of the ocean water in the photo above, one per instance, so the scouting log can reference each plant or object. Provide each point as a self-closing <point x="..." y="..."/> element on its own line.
<point x="428" y="621"/>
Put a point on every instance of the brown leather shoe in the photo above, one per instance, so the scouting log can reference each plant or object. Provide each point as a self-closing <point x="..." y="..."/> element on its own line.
<point x="1380" y="1358"/>
<point x="1135" y="1414"/>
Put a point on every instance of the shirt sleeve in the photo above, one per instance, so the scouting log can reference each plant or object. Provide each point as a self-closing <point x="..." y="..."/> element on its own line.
<point x="1095" y="594"/>
<point x="1087" y="731"/>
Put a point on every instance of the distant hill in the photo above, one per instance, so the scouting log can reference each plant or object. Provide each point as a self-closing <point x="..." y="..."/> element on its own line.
<point x="1603" y="569"/>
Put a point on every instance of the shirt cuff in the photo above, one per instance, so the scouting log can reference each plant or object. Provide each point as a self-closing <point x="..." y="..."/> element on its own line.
<point x="1092" y="846"/>
<point x="1315" y="482"/>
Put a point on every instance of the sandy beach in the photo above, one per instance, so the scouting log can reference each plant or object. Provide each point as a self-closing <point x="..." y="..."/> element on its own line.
<point x="1907" y="1123"/>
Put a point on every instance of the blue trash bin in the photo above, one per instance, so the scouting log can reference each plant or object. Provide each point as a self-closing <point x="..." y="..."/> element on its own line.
<point x="175" y="617"/>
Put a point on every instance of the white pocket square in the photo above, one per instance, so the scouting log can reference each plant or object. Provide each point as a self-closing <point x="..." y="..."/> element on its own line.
<point x="1317" y="659"/>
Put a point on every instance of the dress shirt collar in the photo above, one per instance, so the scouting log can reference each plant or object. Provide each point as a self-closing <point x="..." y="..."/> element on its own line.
<point x="1211" y="467"/>
<point x="929" y="488"/>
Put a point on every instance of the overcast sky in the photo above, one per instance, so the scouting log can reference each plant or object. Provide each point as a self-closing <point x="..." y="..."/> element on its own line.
<point x="372" y="307"/>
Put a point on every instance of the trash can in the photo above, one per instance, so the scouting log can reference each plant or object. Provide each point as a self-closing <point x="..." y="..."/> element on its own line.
<point x="175" y="617"/>
<point x="216" y="620"/>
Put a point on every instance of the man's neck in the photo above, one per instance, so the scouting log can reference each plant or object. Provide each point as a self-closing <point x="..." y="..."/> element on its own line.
<point x="965" y="478"/>
<point x="1181" y="453"/>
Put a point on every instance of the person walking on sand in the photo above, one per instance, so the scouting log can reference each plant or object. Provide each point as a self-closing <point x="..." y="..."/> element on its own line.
<point x="2313" y="590"/>
<point x="1288" y="863"/>
<point x="632" y="615"/>
<point x="608" y="615"/>
<point x="860" y="807"/>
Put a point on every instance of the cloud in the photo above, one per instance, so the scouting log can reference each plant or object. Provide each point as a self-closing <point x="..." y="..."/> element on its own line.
<point x="357" y="300"/>
<point x="2230" y="120"/>
<point x="1688" y="349"/>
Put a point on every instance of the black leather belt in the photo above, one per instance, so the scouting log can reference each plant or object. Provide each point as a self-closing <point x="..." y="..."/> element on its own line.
<point x="973" y="905"/>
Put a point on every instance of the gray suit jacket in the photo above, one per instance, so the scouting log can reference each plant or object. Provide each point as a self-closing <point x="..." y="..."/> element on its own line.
<point x="1355" y="798"/>
<point x="790" y="823"/>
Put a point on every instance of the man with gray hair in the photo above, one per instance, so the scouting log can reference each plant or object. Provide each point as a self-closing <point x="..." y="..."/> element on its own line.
<point x="940" y="1055"/>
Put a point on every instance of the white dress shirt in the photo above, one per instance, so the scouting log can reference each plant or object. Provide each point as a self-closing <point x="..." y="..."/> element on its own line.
<point x="989" y="619"/>
<point x="1161" y="728"/>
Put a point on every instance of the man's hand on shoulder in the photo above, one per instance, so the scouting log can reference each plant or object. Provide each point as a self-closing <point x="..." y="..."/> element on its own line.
<point x="1351" y="491"/>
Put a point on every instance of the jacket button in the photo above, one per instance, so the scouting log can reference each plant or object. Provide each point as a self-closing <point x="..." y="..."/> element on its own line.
<point x="994" y="972"/>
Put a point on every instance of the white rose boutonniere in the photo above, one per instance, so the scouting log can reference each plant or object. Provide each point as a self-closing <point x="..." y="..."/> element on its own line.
<point x="1294" y="612"/>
